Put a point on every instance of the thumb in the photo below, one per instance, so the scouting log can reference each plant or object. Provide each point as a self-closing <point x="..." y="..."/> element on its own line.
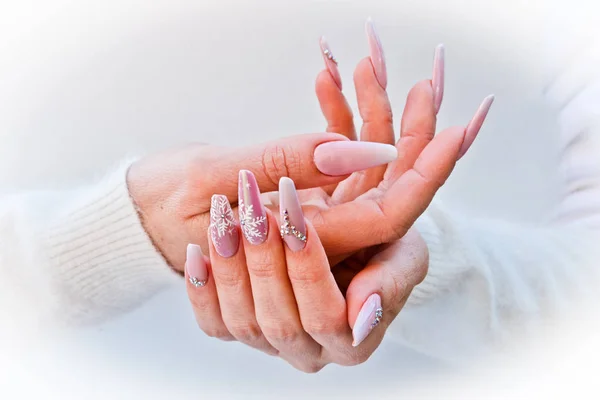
<point x="310" y="160"/>
<point x="377" y="293"/>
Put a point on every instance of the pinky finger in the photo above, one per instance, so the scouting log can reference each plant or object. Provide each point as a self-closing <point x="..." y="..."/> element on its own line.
<point x="203" y="294"/>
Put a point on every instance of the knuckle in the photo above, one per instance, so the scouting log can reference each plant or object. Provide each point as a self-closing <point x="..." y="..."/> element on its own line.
<point x="306" y="274"/>
<point x="377" y="115"/>
<point x="229" y="278"/>
<point x="280" y="160"/>
<point x="353" y="356"/>
<point x="199" y="306"/>
<point x="387" y="229"/>
<point x="423" y="136"/>
<point x="284" y="333"/>
<point x="399" y="290"/>
<point x="358" y="357"/>
<point x="261" y="265"/>
<point x="325" y="327"/>
<point x="311" y="368"/>
<point x="219" y="333"/>
<point x="246" y="332"/>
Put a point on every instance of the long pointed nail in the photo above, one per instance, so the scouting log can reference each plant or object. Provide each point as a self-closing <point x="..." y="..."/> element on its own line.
<point x="376" y="53"/>
<point x="346" y="157"/>
<point x="195" y="266"/>
<point x="223" y="228"/>
<point x="330" y="62"/>
<point x="253" y="217"/>
<point x="475" y="125"/>
<point x="369" y="317"/>
<point x="293" y="227"/>
<point x="437" y="80"/>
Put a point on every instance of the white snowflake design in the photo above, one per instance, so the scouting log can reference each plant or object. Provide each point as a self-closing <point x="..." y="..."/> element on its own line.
<point x="251" y="225"/>
<point x="222" y="221"/>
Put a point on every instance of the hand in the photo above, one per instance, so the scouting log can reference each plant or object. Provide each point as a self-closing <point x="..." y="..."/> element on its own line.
<point x="284" y="299"/>
<point x="172" y="190"/>
<point x="389" y="197"/>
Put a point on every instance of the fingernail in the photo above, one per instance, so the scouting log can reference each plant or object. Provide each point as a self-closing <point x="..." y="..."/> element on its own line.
<point x="346" y="157"/>
<point x="330" y="62"/>
<point x="223" y="228"/>
<point x="369" y="317"/>
<point x="293" y="227"/>
<point x="475" y="125"/>
<point x="195" y="266"/>
<point x="437" y="80"/>
<point x="253" y="217"/>
<point x="376" y="53"/>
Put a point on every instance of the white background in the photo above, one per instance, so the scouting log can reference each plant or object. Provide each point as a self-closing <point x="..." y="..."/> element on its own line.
<point x="102" y="80"/>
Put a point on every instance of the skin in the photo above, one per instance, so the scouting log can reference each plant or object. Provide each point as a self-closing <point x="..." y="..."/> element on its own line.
<point x="273" y="299"/>
<point x="172" y="190"/>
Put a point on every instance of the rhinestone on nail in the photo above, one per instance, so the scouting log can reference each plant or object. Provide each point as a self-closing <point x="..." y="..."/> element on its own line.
<point x="330" y="56"/>
<point x="288" y="229"/>
<point x="196" y="282"/>
<point x="378" y="317"/>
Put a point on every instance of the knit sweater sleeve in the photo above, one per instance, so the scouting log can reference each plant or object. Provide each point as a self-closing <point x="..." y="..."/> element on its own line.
<point x="492" y="280"/>
<point x="77" y="256"/>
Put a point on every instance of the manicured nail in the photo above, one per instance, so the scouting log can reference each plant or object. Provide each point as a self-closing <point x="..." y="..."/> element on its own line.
<point x="376" y="53"/>
<point x="253" y="217"/>
<point x="369" y="317"/>
<point x="346" y="157"/>
<point x="437" y="80"/>
<point x="195" y="266"/>
<point x="330" y="62"/>
<point x="475" y="125"/>
<point x="223" y="228"/>
<point x="293" y="227"/>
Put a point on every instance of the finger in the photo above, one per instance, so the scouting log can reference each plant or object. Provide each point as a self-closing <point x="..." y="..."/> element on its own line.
<point x="203" y="294"/>
<point x="419" y="117"/>
<point x="320" y="303"/>
<point x="377" y="293"/>
<point x="386" y="215"/>
<point x="417" y="128"/>
<point x="335" y="108"/>
<point x="312" y="160"/>
<point x="274" y="301"/>
<point x="231" y="277"/>
<point x="376" y="113"/>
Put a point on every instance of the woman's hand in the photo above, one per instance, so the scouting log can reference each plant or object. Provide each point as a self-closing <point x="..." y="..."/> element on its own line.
<point x="391" y="197"/>
<point x="283" y="298"/>
<point x="172" y="190"/>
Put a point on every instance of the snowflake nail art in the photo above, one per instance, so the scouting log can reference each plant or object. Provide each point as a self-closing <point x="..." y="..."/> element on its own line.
<point x="223" y="228"/>
<point x="253" y="217"/>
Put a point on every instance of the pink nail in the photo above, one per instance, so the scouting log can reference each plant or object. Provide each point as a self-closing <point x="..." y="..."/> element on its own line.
<point x="223" y="228"/>
<point x="437" y="80"/>
<point x="330" y="62"/>
<point x="293" y="230"/>
<point x="475" y="125"/>
<point x="346" y="157"/>
<point x="376" y="53"/>
<point x="195" y="266"/>
<point x="253" y="217"/>
<point x="369" y="317"/>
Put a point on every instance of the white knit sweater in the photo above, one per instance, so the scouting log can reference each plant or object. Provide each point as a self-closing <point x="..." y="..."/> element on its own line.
<point x="81" y="255"/>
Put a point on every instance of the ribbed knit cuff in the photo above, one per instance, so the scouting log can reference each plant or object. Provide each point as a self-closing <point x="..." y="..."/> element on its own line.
<point x="103" y="260"/>
<point x="448" y="262"/>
